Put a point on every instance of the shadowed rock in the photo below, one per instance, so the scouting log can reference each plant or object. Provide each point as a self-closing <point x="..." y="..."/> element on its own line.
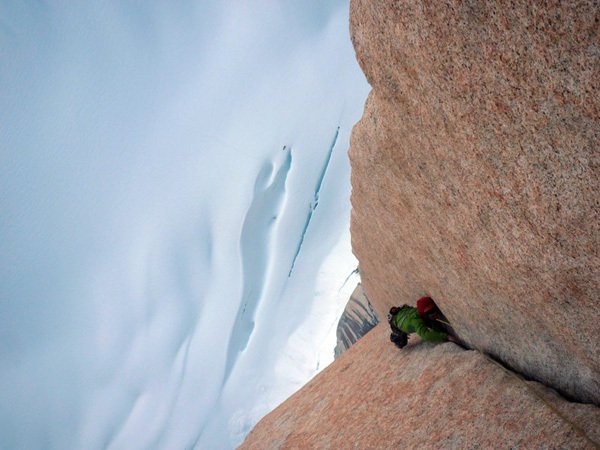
<point x="358" y="319"/>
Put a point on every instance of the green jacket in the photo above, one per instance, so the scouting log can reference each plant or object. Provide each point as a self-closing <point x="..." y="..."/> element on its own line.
<point x="409" y="321"/>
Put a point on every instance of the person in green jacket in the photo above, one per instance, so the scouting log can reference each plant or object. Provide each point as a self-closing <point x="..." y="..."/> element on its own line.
<point x="405" y="320"/>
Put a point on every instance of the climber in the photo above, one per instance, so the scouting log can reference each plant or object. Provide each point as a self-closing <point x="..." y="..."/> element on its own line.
<point x="405" y="320"/>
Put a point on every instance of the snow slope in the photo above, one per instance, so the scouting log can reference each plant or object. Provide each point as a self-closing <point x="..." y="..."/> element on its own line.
<point x="174" y="195"/>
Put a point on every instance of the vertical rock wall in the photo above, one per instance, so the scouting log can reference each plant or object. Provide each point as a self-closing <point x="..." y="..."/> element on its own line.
<point x="476" y="175"/>
<point x="358" y="319"/>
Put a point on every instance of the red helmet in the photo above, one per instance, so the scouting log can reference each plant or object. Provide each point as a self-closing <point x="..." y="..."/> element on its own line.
<point x="425" y="305"/>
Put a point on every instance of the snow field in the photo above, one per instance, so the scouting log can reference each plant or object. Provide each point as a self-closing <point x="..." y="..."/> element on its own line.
<point x="174" y="234"/>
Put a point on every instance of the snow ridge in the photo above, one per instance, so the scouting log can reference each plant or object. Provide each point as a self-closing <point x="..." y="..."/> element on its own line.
<point x="313" y="205"/>
<point x="256" y="251"/>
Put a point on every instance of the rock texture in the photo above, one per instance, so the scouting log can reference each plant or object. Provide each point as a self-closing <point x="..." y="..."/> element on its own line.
<point x="358" y="319"/>
<point x="476" y="175"/>
<point x="423" y="397"/>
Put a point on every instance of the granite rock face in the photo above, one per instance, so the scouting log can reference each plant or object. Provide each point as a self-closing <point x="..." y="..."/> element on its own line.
<point x="475" y="175"/>
<point x="358" y="319"/>
<point x="423" y="397"/>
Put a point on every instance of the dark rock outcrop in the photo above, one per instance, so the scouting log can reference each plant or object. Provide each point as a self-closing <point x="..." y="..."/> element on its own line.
<point x="423" y="397"/>
<point x="358" y="319"/>
<point x="476" y="175"/>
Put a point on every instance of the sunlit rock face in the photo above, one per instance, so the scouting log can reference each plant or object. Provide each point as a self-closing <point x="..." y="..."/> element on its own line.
<point x="424" y="396"/>
<point x="175" y="209"/>
<point x="475" y="175"/>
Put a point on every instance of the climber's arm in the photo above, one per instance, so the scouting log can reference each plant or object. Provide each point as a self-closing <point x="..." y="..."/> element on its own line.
<point x="427" y="334"/>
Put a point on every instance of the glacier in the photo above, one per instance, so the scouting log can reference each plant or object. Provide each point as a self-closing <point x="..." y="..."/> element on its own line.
<point x="174" y="195"/>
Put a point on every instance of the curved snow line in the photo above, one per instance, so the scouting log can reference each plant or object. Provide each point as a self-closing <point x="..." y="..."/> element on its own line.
<point x="313" y="205"/>
<point x="255" y="238"/>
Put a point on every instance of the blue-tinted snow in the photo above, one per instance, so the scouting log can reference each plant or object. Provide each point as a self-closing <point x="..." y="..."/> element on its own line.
<point x="157" y="164"/>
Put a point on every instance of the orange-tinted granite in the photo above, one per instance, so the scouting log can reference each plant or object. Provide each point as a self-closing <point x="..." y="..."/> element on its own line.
<point x="475" y="175"/>
<point x="423" y="397"/>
